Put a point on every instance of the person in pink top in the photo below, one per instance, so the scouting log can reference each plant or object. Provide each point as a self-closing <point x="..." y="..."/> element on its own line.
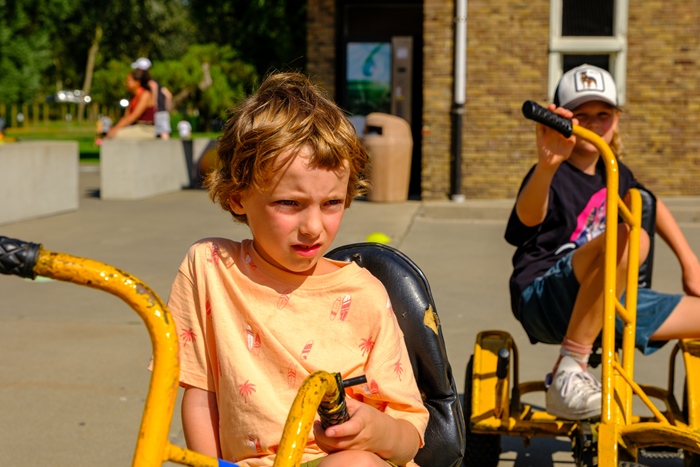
<point x="256" y="317"/>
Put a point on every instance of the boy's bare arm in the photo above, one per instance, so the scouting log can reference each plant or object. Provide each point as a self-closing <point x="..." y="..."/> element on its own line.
<point x="671" y="233"/>
<point x="401" y="441"/>
<point x="373" y="431"/>
<point x="200" y="421"/>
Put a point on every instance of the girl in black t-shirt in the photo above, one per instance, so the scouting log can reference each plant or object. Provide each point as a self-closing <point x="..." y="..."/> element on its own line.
<point x="557" y="282"/>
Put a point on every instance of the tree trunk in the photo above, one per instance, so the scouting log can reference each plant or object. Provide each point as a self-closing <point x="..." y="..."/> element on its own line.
<point x="89" y="69"/>
<point x="202" y="85"/>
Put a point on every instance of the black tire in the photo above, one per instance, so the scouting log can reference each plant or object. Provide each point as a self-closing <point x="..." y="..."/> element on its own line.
<point x="481" y="450"/>
<point x="584" y="446"/>
<point x="630" y="464"/>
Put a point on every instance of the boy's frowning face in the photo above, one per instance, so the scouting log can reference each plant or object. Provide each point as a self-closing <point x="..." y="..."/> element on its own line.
<point x="296" y="217"/>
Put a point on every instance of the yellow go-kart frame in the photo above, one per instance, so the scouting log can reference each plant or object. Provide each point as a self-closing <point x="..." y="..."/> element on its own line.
<point x="493" y="392"/>
<point x="320" y="391"/>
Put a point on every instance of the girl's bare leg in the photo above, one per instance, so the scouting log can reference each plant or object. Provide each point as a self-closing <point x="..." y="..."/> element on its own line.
<point x="588" y="263"/>
<point x="683" y="323"/>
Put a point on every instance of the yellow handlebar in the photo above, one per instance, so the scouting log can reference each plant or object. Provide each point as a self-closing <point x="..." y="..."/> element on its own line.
<point x="152" y="446"/>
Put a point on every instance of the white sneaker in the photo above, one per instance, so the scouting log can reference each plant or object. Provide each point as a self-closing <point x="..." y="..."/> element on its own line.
<point x="573" y="394"/>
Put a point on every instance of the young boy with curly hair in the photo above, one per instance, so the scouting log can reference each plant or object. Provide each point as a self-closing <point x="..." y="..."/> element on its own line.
<point x="256" y="317"/>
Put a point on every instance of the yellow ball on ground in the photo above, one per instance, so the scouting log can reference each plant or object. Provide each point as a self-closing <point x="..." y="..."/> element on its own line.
<point x="378" y="237"/>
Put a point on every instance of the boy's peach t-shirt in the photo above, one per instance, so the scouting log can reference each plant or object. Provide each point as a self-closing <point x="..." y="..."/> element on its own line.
<point x="252" y="333"/>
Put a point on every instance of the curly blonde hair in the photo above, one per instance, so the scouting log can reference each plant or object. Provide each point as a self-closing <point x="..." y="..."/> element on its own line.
<point x="286" y="114"/>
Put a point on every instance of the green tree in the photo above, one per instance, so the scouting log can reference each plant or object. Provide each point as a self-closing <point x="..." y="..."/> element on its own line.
<point x="205" y="81"/>
<point x="26" y="30"/>
<point x="97" y="32"/>
<point x="271" y="34"/>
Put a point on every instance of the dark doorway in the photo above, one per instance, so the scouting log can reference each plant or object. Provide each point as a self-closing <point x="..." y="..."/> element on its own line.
<point x="379" y="26"/>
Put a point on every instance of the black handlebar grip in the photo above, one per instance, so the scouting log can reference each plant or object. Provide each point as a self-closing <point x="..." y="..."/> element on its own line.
<point x="534" y="111"/>
<point x="503" y="361"/>
<point x="18" y="257"/>
<point x="335" y="412"/>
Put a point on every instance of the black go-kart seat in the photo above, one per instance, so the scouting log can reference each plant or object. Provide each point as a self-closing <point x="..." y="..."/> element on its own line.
<point x="648" y="224"/>
<point x="414" y="307"/>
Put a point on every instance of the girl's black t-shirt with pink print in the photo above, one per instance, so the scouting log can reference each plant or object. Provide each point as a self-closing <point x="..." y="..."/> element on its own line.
<point x="575" y="215"/>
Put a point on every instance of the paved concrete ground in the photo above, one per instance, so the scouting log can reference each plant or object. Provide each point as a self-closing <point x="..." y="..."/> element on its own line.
<point x="72" y="372"/>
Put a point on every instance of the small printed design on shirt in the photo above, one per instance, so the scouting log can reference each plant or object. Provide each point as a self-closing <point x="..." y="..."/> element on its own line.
<point x="249" y="262"/>
<point x="284" y="299"/>
<point x="342" y="306"/>
<point x="591" y="220"/>
<point x="253" y="340"/>
<point x="371" y="389"/>
<point x="212" y="255"/>
<point x="207" y="307"/>
<point x="398" y="368"/>
<point x="187" y="336"/>
<point x="245" y="390"/>
<point x="366" y="345"/>
<point x="292" y="376"/>
<point x="307" y="350"/>
<point x="254" y="444"/>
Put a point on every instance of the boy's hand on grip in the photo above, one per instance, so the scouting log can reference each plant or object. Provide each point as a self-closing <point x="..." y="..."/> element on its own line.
<point x="361" y="432"/>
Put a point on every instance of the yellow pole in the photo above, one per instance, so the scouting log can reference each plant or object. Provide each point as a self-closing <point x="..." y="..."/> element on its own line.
<point x="160" y="401"/>
<point x="301" y="417"/>
<point x="608" y="429"/>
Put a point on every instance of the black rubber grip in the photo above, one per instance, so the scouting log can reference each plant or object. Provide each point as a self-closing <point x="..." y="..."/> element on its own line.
<point x="18" y="257"/>
<point x="502" y="366"/>
<point x="335" y="412"/>
<point x="536" y="112"/>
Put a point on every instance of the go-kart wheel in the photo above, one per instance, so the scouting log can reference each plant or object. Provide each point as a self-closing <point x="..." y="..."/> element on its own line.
<point x="584" y="446"/>
<point x="481" y="450"/>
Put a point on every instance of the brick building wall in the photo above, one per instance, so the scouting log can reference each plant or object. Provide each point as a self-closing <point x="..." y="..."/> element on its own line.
<point x="438" y="53"/>
<point x="506" y="65"/>
<point x="507" y="46"/>
<point x="660" y="125"/>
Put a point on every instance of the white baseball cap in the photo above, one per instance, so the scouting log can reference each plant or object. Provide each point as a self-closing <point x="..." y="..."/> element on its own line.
<point x="141" y="63"/>
<point x="583" y="84"/>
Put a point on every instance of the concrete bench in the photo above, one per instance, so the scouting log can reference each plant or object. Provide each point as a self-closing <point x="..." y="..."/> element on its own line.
<point x="37" y="179"/>
<point x="137" y="169"/>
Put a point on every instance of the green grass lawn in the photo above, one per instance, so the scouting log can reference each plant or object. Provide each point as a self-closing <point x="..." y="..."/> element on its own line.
<point x="84" y="134"/>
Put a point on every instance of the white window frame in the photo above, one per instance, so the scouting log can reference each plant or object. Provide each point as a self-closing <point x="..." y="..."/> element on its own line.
<point x="615" y="46"/>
